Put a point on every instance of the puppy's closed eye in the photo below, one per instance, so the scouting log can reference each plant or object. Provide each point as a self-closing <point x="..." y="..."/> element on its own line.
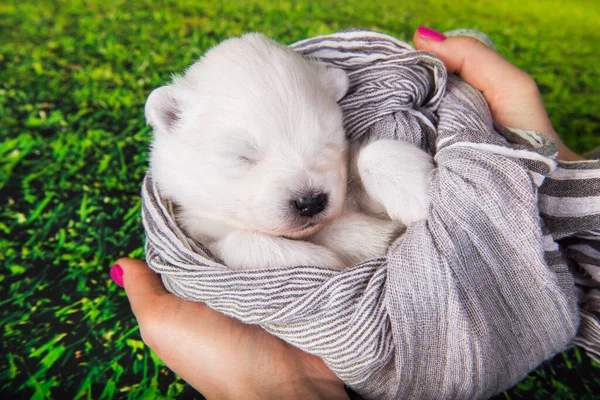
<point x="247" y="160"/>
<point x="241" y="150"/>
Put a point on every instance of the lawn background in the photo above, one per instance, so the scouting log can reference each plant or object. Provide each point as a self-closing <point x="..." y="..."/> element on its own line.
<point x="74" y="77"/>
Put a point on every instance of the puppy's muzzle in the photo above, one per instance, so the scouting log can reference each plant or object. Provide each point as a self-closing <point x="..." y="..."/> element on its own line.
<point x="309" y="206"/>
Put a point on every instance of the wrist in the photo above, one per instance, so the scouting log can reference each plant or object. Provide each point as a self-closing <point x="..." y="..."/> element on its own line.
<point x="308" y="388"/>
<point x="564" y="153"/>
<point x="302" y="377"/>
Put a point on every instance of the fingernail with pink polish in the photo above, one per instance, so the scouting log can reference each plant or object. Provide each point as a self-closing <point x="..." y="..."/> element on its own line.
<point x="116" y="273"/>
<point x="430" y="34"/>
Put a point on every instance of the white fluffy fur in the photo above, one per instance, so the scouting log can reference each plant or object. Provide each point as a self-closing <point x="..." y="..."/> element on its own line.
<point x="253" y="126"/>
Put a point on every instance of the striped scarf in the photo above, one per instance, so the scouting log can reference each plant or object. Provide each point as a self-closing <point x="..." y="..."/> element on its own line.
<point x="501" y="276"/>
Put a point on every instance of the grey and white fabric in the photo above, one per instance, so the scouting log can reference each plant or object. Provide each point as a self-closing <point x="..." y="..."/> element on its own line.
<point x="502" y="275"/>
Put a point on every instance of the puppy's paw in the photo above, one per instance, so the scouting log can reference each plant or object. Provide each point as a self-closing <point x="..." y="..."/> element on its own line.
<point x="410" y="209"/>
<point x="324" y="257"/>
<point x="242" y="250"/>
<point x="395" y="177"/>
<point x="358" y="237"/>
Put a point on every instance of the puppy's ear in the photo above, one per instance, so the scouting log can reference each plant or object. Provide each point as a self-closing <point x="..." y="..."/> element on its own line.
<point x="162" y="110"/>
<point x="336" y="81"/>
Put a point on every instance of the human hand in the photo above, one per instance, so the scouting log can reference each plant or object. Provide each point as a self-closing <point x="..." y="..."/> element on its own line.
<point x="220" y="356"/>
<point x="512" y="95"/>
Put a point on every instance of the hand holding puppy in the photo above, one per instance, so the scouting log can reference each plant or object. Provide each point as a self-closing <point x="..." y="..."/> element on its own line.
<point x="512" y="94"/>
<point x="223" y="358"/>
<point x="220" y="356"/>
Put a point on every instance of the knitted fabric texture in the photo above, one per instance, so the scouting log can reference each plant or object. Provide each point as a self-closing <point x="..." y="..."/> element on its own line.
<point x="501" y="276"/>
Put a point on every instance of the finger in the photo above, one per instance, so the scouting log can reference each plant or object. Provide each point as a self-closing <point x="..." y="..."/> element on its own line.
<point x="143" y="286"/>
<point x="512" y="95"/>
<point x="472" y="60"/>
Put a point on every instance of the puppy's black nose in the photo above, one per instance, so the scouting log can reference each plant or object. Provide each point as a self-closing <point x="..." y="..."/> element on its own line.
<point x="309" y="206"/>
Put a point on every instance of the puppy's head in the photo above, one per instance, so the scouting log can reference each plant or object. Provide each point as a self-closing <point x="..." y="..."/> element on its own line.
<point x="251" y="135"/>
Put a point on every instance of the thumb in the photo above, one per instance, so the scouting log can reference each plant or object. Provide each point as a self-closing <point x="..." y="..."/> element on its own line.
<point x="143" y="286"/>
<point x="513" y="96"/>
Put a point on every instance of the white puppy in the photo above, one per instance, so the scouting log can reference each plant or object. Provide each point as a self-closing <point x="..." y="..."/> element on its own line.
<point x="249" y="143"/>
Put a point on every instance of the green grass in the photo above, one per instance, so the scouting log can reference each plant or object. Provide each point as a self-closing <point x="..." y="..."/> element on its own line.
<point x="73" y="81"/>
